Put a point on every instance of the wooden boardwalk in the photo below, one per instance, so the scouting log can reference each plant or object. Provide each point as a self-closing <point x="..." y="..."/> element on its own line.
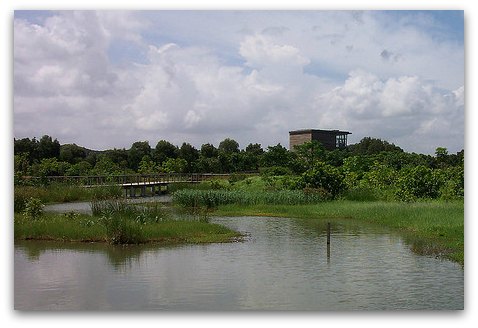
<point x="154" y="183"/>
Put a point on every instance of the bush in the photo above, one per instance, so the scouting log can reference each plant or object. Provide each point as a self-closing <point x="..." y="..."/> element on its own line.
<point x="33" y="209"/>
<point x="361" y="194"/>
<point x="275" y="171"/>
<point x="324" y="176"/>
<point x="121" y="230"/>
<point x="416" y="182"/>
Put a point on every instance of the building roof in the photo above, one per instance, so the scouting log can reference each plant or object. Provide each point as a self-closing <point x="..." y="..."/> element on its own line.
<point x="336" y="132"/>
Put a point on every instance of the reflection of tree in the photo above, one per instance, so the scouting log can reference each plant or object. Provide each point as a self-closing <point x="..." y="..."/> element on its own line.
<point x="119" y="257"/>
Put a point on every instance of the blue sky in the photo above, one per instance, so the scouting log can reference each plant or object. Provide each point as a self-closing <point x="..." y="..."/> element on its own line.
<point x="105" y="79"/>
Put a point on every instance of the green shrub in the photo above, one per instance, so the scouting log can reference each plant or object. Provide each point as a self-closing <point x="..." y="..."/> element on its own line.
<point x="275" y="171"/>
<point x="324" y="176"/>
<point x="121" y="230"/>
<point x="417" y="182"/>
<point x="361" y="194"/>
<point x="33" y="209"/>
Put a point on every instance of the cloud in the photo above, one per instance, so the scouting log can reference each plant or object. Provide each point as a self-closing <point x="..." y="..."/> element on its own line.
<point x="405" y="110"/>
<point x="260" y="51"/>
<point x="241" y="75"/>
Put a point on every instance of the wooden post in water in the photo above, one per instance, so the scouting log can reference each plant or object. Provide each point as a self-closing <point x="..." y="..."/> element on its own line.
<point x="328" y="233"/>
<point x="328" y="241"/>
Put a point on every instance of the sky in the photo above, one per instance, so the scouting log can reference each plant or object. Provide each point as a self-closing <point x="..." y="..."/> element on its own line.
<point x="105" y="79"/>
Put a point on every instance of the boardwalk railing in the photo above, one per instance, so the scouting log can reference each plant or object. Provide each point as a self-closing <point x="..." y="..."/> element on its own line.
<point x="146" y="183"/>
<point x="134" y="179"/>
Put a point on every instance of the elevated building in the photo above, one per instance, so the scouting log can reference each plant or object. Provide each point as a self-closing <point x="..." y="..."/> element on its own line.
<point x="330" y="139"/>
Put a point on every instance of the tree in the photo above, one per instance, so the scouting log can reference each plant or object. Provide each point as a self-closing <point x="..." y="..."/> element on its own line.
<point x="147" y="166"/>
<point x="118" y="156"/>
<point x="48" y="148"/>
<point x="208" y="151"/>
<point x="416" y="182"/>
<point x="164" y="150"/>
<point x="105" y="166"/>
<point x="276" y="156"/>
<point x="21" y="164"/>
<point x="174" y="165"/>
<point x="190" y="155"/>
<point x="136" y="153"/>
<point x="81" y="168"/>
<point x="52" y="167"/>
<point x="254" y="149"/>
<point x="369" y="146"/>
<point x="229" y="146"/>
<point x="310" y="152"/>
<point x="72" y="153"/>
<point x="26" y="146"/>
<point x="324" y="176"/>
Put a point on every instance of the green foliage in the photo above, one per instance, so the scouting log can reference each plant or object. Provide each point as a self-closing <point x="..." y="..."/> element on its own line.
<point x="369" y="146"/>
<point x="361" y="194"/>
<point x="147" y="166"/>
<point x="174" y="165"/>
<point x="324" y="176"/>
<point x="310" y="152"/>
<point x="208" y="151"/>
<point x="214" y="198"/>
<point x="121" y="230"/>
<point x="136" y="153"/>
<point x="61" y="193"/>
<point x="190" y="154"/>
<point x="164" y="150"/>
<point x="229" y="146"/>
<point x="276" y="156"/>
<point x="275" y="171"/>
<point x="416" y="182"/>
<point x="370" y="165"/>
<point x="451" y="181"/>
<point x="72" y="153"/>
<point x="380" y="177"/>
<point x="33" y="208"/>
<point x="52" y="167"/>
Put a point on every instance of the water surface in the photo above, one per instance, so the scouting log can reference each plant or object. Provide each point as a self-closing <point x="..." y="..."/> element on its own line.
<point x="282" y="265"/>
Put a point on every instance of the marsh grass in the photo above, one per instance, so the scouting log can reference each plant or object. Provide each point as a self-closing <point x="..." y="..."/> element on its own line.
<point x="118" y="229"/>
<point x="61" y="193"/>
<point x="215" y="198"/>
<point x="431" y="228"/>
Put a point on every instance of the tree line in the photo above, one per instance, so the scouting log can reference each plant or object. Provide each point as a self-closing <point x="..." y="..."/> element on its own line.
<point x="371" y="164"/>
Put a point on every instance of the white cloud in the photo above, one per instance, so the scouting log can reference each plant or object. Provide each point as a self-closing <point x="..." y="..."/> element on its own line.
<point x="267" y="79"/>
<point x="260" y="51"/>
<point x="405" y="110"/>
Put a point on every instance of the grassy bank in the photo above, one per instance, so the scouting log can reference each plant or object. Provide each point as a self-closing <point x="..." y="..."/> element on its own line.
<point x="61" y="193"/>
<point x="85" y="228"/>
<point x="431" y="228"/>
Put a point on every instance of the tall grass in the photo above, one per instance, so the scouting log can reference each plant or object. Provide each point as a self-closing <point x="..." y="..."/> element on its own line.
<point x="154" y="212"/>
<point x="121" y="224"/>
<point x="215" y="198"/>
<point x="62" y="193"/>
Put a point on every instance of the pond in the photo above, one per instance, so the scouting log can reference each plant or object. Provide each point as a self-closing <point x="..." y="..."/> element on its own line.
<point x="283" y="264"/>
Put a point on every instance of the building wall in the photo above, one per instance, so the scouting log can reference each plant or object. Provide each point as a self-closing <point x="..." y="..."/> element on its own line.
<point x="299" y="139"/>
<point x="325" y="137"/>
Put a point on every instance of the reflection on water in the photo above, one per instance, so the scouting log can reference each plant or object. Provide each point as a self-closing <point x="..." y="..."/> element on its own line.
<point x="282" y="265"/>
<point x="85" y="207"/>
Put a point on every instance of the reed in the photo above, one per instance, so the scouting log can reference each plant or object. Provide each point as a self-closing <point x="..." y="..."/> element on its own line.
<point x="215" y="198"/>
<point x="61" y="193"/>
<point x="118" y="229"/>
